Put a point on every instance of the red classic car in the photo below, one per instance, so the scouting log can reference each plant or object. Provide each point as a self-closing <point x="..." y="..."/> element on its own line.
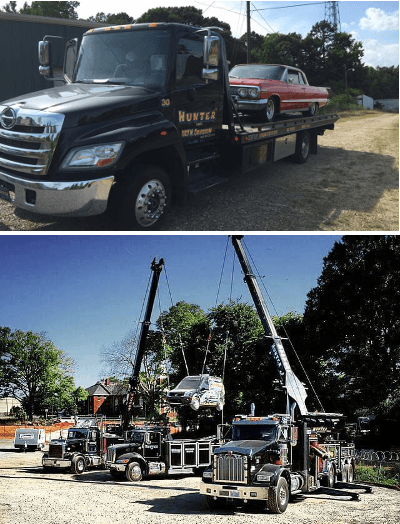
<point x="271" y="89"/>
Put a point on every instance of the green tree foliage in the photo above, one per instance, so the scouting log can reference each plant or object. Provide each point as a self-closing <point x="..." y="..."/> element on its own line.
<point x="353" y="315"/>
<point x="35" y="372"/>
<point x="112" y="19"/>
<point x="51" y="9"/>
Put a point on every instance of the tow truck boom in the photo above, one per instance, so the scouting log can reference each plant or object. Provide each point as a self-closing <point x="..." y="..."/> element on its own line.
<point x="294" y="387"/>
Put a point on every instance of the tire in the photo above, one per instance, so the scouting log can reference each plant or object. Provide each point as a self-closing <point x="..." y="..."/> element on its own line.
<point x="134" y="472"/>
<point x="278" y="496"/>
<point x="345" y="473"/>
<point x="313" y="109"/>
<point x="142" y="201"/>
<point x="215" y="503"/>
<point x="219" y="406"/>
<point x="78" y="465"/>
<point x="330" y="480"/>
<point x="350" y="476"/>
<point x="270" y="110"/>
<point x="302" y="147"/>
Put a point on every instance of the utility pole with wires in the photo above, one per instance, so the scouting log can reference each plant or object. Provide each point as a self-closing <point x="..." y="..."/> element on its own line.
<point x="248" y="33"/>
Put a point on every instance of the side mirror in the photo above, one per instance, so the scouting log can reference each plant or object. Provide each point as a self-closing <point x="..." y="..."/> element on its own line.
<point x="44" y="58"/>
<point x="211" y="51"/>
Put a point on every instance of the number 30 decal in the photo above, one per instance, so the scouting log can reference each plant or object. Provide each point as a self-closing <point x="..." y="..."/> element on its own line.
<point x="165" y="102"/>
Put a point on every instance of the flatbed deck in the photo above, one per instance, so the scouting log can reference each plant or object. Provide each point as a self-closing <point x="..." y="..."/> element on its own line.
<point x="248" y="131"/>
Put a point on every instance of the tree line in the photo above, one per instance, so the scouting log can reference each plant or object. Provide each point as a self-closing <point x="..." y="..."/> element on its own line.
<point x="326" y="55"/>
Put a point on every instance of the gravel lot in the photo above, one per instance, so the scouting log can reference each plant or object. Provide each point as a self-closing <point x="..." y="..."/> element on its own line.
<point x="351" y="185"/>
<point x="30" y="495"/>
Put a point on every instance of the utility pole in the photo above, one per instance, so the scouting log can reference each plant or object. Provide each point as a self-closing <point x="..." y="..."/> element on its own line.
<point x="248" y="32"/>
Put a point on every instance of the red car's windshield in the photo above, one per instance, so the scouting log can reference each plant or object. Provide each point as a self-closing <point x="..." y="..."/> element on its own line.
<point x="262" y="72"/>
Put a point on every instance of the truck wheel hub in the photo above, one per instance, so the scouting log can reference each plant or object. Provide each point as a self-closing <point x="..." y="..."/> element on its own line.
<point x="150" y="203"/>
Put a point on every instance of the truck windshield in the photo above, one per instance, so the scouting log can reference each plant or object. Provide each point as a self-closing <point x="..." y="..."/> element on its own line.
<point x="260" y="72"/>
<point x="78" y="433"/>
<point x="129" y="58"/>
<point x="254" y="432"/>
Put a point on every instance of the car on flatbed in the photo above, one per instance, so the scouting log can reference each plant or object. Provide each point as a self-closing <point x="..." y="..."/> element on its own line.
<point x="269" y="89"/>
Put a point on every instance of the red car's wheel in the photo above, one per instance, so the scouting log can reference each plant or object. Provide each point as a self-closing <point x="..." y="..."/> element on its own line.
<point x="270" y="110"/>
<point x="313" y="109"/>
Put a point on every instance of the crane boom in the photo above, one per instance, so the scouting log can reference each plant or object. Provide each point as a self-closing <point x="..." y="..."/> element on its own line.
<point x="156" y="267"/>
<point x="294" y="387"/>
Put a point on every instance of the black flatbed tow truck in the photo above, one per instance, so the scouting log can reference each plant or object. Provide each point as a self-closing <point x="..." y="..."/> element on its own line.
<point x="145" y="116"/>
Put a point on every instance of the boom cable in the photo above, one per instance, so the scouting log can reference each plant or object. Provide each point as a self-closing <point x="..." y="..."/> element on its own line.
<point x="260" y="278"/>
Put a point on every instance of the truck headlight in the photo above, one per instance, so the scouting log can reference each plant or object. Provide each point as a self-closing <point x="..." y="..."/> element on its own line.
<point x="207" y="474"/>
<point x="262" y="477"/>
<point x="95" y="156"/>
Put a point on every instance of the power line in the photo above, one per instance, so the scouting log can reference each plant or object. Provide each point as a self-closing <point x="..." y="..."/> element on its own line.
<point x="288" y="6"/>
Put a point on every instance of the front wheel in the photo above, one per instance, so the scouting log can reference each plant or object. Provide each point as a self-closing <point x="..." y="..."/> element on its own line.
<point x="78" y="465"/>
<point x="268" y="113"/>
<point x="278" y="497"/>
<point x="142" y="201"/>
<point x="134" y="472"/>
<point x="195" y="403"/>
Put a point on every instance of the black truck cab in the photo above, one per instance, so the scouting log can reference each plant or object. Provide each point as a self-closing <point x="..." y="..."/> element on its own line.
<point x="144" y="115"/>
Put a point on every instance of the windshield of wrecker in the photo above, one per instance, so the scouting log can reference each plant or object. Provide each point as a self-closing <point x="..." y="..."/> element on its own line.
<point x="254" y="432"/>
<point x="78" y="433"/>
<point x="124" y="58"/>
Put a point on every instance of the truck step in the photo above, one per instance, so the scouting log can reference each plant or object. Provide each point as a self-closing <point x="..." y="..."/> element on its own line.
<point x="202" y="185"/>
<point x="180" y="471"/>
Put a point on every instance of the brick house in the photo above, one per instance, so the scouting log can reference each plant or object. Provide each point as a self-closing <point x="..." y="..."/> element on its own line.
<point x="106" y="398"/>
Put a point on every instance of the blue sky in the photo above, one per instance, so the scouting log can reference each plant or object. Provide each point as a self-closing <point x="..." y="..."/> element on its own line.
<point x="375" y="24"/>
<point x="87" y="291"/>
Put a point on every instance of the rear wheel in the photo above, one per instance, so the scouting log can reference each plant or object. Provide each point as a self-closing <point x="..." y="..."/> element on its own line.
<point x="313" y="109"/>
<point x="330" y="480"/>
<point x="134" y="472"/>
<point x="278" y="497"/>
<point x="302" y="147"/>
<point x="345" y="473"/>
<point x="350" y="476"/>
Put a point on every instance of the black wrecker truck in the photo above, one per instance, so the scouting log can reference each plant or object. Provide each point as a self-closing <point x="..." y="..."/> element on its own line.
<point x="144" y="116"/>
<point x="151" y="449"/>
<point x="83" y="448"/>
<point x="271" y="458"/>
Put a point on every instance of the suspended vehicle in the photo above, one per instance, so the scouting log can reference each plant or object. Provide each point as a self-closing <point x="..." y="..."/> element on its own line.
<point x="198" y="391"/>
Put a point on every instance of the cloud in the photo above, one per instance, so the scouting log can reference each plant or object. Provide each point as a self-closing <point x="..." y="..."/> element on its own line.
<point x="378" y="20"/>
<point x="376" y="54"/>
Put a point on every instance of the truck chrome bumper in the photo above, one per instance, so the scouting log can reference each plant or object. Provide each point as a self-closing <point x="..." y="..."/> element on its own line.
<point x="234" y="492"/>
<point x="118" y="467"/>
<point x="84" y="198"/>
<point x="56" y="462"/>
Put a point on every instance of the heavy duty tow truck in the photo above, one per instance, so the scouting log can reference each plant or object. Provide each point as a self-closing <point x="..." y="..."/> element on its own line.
<point x="145" y="115"/>
<point x="150" y="449"/>
<point x="270" y="458"/>
<point x="83" y="448"/>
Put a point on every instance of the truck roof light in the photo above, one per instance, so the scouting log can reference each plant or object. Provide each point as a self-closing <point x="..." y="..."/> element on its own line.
<point x="153" y="25"/>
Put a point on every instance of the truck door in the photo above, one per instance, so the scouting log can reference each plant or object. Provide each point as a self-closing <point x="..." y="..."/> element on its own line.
<point x="196" y="102"/>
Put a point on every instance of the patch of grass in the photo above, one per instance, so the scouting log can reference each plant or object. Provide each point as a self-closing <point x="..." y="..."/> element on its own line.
<point x="386" y="475"/>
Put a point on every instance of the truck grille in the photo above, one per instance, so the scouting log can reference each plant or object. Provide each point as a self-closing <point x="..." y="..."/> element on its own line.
<point x="28" y="139"/>
<point x="230" y="468"/>
<point x="55" y="450"/>
<point x="111" y="455"/>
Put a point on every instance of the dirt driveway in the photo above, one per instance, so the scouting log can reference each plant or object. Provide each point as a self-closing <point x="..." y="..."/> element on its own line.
<point x="28" y="494"/>
<point x="351" y="185"/>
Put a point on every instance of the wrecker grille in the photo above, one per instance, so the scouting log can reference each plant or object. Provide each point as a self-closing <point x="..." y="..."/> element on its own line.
<point x="55" y="450"/>
<point x="28" y="140"/>
<point x="230" y="468"/>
